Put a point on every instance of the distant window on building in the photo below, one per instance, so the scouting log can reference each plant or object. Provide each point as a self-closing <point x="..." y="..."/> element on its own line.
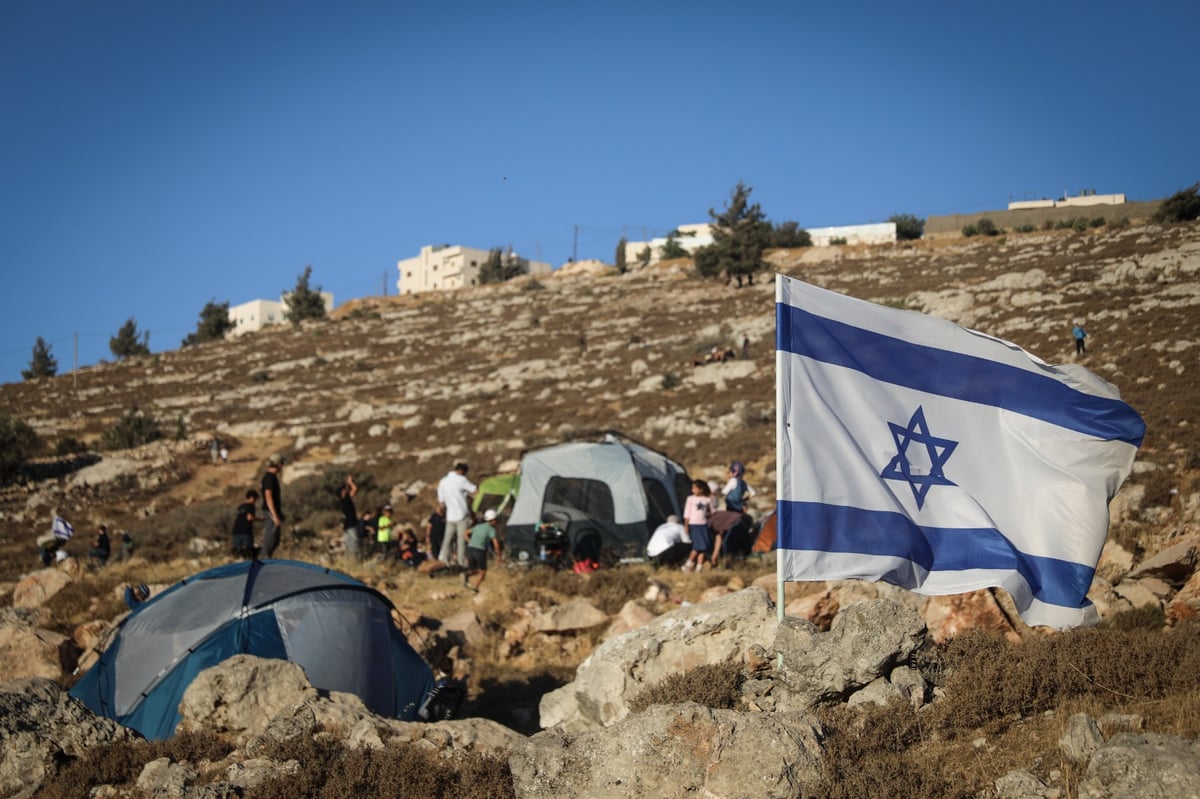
<point x="473" y="263"/>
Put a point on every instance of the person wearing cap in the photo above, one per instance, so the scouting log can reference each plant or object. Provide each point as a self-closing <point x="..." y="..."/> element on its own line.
<point x="272" y="506"/>
<point x="477" y="555"/>
<point x="136" y="595"/>
<point x="453" y="491"/>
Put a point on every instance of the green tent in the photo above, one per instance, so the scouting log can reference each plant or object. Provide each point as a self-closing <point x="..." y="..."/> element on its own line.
<point x="497" y="493"/>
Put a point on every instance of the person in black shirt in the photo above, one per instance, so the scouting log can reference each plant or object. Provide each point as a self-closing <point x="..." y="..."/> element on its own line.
<point x="273" y="521"/>
<point x="351" y="531"/>
<point x="243" y="527"/>
<point x="435" y="530"/>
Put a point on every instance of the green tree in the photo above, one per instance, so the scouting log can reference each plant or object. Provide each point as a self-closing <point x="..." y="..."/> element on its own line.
<point x="1182" y="206"/>
<point x="42" y="364"/>
<point x="672" y="248"/>
<point x="128" y="342"/>
<point x="18" y="443"/>
<point x="908" y="227"/>
<point x="131" y="430"/>
<point x="213" y="325"/>
<point x="500" y="266"/>
<point x="304" y="302"/>
<point x="620" y="256"/>
<point x="789" y="235"/>
<point x="739" y="237"/>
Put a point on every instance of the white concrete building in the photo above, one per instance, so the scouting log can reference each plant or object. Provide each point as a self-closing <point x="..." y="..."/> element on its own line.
<point x="1084" y="199"/>
<point x="257" y="314"/>
<point x="691" y="238"/>
<point x="439" y="267"/>
<point x="874" y="233"/>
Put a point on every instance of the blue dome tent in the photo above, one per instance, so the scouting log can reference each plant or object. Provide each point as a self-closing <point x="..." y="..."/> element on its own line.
<point x="338" y="629"/>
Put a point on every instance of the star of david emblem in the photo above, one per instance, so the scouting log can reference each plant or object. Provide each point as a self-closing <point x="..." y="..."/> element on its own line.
<point x="922" y="468"/>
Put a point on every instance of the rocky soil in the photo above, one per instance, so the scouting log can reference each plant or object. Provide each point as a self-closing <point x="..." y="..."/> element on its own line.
<point x="396" y="389"/>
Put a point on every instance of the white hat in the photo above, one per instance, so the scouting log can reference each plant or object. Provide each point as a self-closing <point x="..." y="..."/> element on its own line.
<point x="489" y="515"/>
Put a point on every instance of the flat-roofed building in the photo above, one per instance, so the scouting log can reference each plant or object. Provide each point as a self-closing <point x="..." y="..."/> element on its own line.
<point x="439" y="267"/>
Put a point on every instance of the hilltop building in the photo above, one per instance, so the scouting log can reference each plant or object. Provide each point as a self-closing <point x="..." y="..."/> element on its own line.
<point x="439" y="267"/>
<point x="257" y="314"/>
<point x="690" y="238"/>
<point x="1085" y="198"/>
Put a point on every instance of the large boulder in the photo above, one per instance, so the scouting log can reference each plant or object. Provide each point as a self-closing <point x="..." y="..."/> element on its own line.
<point x="713" y="632"/>
<point x="35" y="589"/>
<point x="27" y="650"/>
<point x="40" y="727"/>
<point x="674" y="751"/>
<point x="1148" y="766"/>
<point x="866" y="642"/>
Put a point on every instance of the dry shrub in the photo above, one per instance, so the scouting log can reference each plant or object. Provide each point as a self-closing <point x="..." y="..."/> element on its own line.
<point x="992" y="681"/>
<point x="169" y="533"/>
<point x="870" y="752"/>
<point x="332" y="771"/>
<point x="120" y="764"/>
<point x="715" y="685"/>
<point x="607" y="589"/>
<point x="1146" y="617"/>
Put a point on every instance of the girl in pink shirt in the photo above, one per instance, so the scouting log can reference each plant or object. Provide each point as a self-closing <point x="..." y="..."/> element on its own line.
<point x="695" y="516"/>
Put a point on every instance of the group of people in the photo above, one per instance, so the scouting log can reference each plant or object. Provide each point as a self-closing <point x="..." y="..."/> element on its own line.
<point x="272" y="515"/>
<point x="704" y="529"/>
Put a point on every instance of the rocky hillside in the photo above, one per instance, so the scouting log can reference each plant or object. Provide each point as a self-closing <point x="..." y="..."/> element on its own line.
<point x="395" y="390"/>
<point x="401" y="387"/>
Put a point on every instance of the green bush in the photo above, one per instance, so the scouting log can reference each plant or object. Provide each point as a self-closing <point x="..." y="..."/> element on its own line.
<point x="1025" y="228"/>
<point x="837" y="240"/>
<point x="1097" y="222"/>
<point x="1182" y="206"/>
<point x="908" y="226"/>
<point x="669" y="381"/>
<point x="18" y="443"/>
<point x="133" y="429"/>
<point x="1079" y="224"/>
<point x="970" y="230"/>
<point x="987" y="227"/>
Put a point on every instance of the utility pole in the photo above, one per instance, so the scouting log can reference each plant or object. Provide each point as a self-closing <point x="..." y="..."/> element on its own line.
<point x="384" y="282"/>
<point x="75" y="365"/>
<point x="575" y="246"/>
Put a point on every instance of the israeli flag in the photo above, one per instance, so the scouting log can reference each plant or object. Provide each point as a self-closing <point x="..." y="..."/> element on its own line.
<point x="940" y="459"/>
<point x="62" y="528"/>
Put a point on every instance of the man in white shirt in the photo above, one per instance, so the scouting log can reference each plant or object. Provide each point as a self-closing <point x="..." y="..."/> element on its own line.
<point x="453" y="491"/>
<point x="669" y="543"/>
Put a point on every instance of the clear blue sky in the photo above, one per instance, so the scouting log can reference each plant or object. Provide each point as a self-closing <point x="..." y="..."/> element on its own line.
<point x="158" y="155"/>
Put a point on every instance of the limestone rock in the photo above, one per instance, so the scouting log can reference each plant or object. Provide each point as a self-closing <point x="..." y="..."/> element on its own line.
<point x="37" y="588"/>
<point x="242" y="694"/>
<point x="712" y="632"/>
<point x="865" y="642"/>
<point x="674" y="751"/>
<point x="632" y="616"/>
<point x="1081" y="738"/>
<point x="26" y="650"/>
<point x="40" y="725"/>
<point x="1176" y="563"/>
<point x="575" y="614"/>
<point x="1148" y="766"/>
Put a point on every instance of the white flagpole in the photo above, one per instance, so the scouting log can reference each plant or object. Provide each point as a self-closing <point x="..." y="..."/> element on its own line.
<point x="780" y="431"/>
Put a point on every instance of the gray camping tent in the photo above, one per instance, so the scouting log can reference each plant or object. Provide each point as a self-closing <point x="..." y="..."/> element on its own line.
<point x="338" y="629"/>
<point x="611" y="493"/>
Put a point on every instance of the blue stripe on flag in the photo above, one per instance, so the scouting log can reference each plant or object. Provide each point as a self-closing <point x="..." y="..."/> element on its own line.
<point x="813" y="526"/>
<point x="956" y="375"/>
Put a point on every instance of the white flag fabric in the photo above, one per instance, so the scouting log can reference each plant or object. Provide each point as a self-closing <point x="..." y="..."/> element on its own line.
<point x="940" y="459"/>
<point x="62" y="528"/>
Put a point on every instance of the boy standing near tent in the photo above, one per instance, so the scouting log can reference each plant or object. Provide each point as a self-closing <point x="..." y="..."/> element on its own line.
<point x="243" y="527"/>
<point x="477" y="556"/>
<point x="273" y="505"/>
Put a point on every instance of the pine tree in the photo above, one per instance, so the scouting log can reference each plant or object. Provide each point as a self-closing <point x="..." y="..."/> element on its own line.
<point x="42" y="364"/>
<point x="500" y="266"/>
<point x="127" y="343"/>
<point x="304" y="302"/>
<point x="213" y="325"/>
<point x="620" y="255"/>
<point x="740" y="233"/>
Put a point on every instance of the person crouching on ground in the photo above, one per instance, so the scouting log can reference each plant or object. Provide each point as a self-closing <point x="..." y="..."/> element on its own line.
<point x="695" y="516"/>
<point x="477" y="543"/>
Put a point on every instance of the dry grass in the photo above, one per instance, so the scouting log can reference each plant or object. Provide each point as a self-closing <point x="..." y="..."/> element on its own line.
<point x="119" y="764"/>
<point x="715" y="685"/>
<point x="333" y="771"/>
